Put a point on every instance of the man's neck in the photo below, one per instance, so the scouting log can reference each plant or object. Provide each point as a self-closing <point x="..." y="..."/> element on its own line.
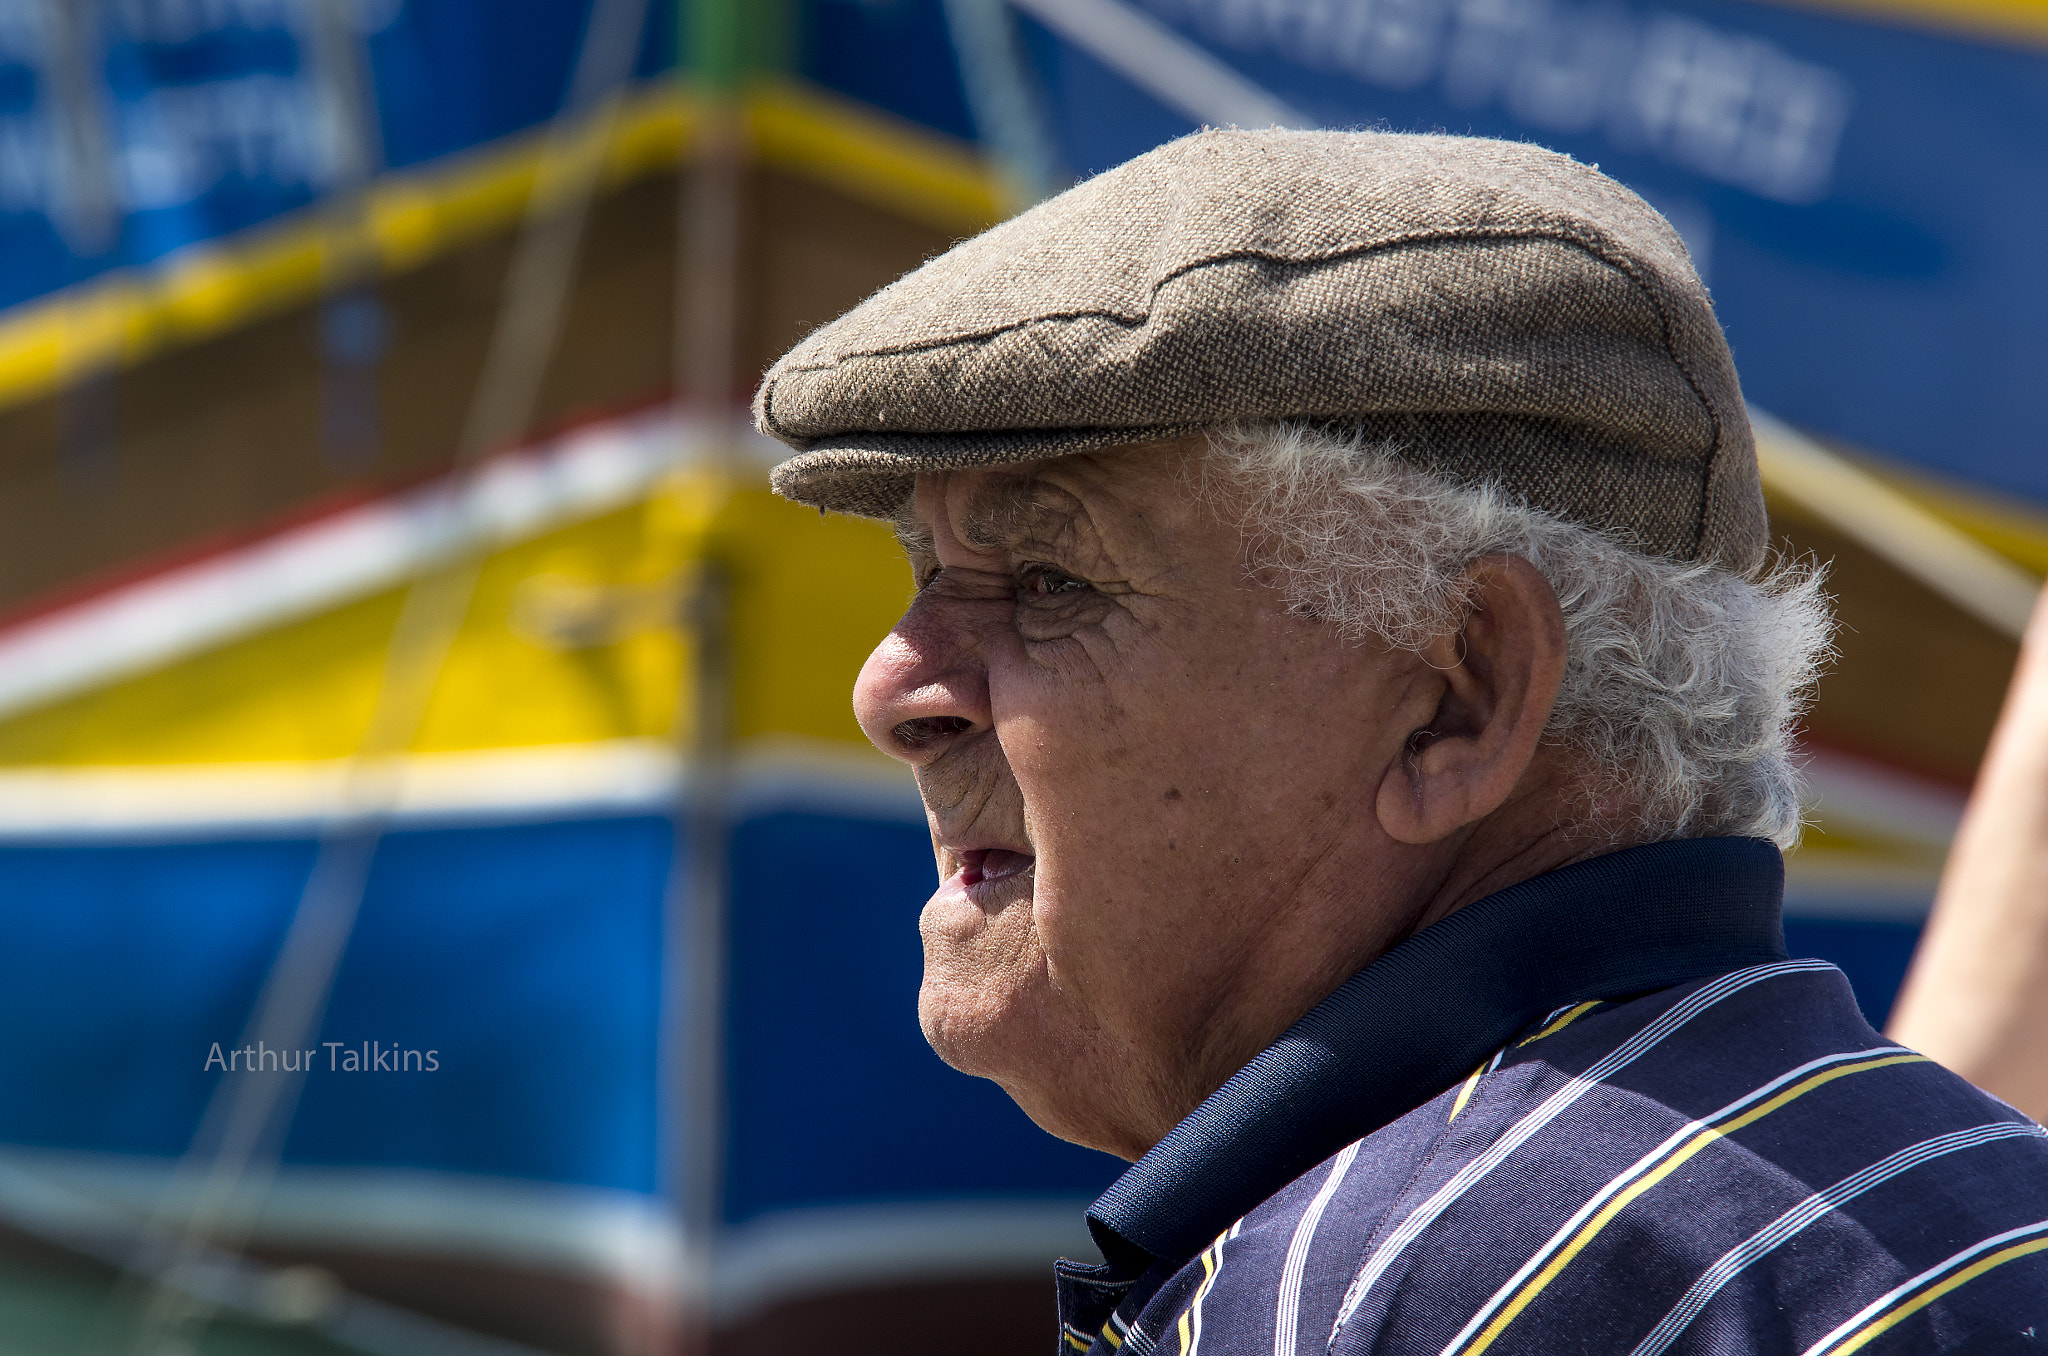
<point x="1339" y="921"/>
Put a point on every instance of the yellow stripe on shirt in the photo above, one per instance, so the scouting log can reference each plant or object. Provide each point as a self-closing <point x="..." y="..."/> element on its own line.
<point x="1465" y="1093"/>
<point x="1679" y="1156"/>
<point x="1190" y="1325"/>
<point x="1564" y="1020"/>
<point x="1928" y="1296"/>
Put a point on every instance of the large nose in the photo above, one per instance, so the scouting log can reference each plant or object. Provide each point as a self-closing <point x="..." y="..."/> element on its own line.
<point x="924" y="688"/>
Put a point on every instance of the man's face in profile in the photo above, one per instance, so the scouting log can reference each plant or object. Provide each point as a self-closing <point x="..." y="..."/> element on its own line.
<point x="1136" y="762"/>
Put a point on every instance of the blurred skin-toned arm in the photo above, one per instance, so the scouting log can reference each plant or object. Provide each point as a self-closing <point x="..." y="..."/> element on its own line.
<point x="1976" y="998"/>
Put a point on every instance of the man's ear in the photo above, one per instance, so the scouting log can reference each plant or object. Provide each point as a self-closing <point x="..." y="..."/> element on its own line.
<point x="1501" y="671"/>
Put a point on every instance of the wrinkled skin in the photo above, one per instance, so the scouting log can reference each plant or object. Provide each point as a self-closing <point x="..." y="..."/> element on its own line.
<point x="1170" y="815"/>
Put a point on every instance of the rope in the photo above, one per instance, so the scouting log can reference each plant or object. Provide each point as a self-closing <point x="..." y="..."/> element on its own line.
<point x="234" y="1154"/>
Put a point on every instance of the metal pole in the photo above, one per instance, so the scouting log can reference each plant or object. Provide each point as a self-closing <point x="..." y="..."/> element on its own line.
<point x="1003" y="99"/>
<point x="352" y="318"/>
<point x="707" y="316"/>
<point x="86" y="210"/>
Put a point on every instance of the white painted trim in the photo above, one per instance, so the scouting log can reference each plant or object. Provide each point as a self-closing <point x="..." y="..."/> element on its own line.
<point x="622" y="1238"/>
<point x="564" y="781"/>
<point x="619" y="776"/>
<point x="1881" y="801"/>
<point x="1912" y="817"/>
<point x="784" y="772"/>
<point x="345" y="555"/>
<point x="798" y="1252"/>
<point x="1833" y="886"/>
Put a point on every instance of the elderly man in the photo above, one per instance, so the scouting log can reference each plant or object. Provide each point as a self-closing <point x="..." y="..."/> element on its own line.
<point x="1352" y="713"/>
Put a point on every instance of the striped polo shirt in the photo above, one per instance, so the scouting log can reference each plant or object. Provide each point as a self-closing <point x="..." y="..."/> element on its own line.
<point x="1600" y="1112"/>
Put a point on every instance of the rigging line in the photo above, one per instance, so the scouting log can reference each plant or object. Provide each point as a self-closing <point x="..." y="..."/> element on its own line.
<point x="86" y="211"/>
<point x="87" y="208"/>
<point x="1009" y="115"/>
<point x="1894" y="527"/>
<point x="1177" y="71"/>
<point x="242" y="1131"/>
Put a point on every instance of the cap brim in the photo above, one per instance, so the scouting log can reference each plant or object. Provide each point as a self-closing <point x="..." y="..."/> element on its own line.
<point x="872" y="475"/>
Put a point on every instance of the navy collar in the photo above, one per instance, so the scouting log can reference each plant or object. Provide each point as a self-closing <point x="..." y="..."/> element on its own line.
<point x="1427" y="1012"/>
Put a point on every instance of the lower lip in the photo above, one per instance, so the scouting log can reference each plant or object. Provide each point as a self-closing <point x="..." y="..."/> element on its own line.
<point x="976" y="880"/>
<point x="994" y="864"/>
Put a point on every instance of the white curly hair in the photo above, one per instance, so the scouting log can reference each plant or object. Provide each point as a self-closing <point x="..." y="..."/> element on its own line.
<point x="1683" y="682"/>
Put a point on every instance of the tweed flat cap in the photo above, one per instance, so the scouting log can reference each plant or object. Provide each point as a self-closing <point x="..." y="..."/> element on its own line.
<point x="1492" y="309"/>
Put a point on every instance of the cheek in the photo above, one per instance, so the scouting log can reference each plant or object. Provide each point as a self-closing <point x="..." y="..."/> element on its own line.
<point x="1122" y="796"/>
<point x="1120" y="787"/>
<point x="1082" y="748"/>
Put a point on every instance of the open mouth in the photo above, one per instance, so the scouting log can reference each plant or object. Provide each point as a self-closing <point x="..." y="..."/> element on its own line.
<point x="992" y="864"/>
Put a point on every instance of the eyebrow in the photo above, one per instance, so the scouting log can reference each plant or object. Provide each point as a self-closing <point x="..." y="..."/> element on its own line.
<point x="1007" y="513"/>
<point x="1016" y="510"/>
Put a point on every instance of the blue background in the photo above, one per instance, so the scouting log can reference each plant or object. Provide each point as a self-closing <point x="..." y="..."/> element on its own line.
<point x="1905" y="311"/>
<point x="448" y="74"/>
<point x="528" y="956"/>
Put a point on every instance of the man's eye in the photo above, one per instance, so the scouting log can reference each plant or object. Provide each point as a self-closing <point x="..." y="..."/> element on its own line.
<point x="1043" y="581"/>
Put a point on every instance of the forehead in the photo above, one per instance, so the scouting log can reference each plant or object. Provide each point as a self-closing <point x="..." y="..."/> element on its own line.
<point x="1084" y="495"/>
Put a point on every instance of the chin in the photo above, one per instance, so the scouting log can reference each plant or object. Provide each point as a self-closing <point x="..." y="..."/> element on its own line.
<point x="977" y="1006"/>
<point x="961" y="1028"/>
<point x="970" y="1029"/>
